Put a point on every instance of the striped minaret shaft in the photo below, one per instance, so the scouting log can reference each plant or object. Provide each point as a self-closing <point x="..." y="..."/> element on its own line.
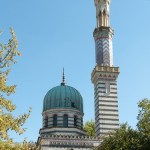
<point x="104" y="75"/>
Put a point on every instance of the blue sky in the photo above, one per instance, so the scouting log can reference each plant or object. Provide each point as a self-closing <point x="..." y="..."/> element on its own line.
<point x="53" y="34"/>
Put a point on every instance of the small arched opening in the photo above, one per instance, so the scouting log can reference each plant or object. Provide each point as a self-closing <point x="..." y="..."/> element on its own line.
<point x="46" y="121"/>
<point x="75" y="121"/>
<point x="55" y="120"/>
<point x="65" y="120"/>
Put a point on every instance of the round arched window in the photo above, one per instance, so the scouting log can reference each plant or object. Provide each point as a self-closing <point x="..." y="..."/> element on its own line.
<point x="75" y="121"/>
<point x="65" y="121"/>
<point x="55" y="120"/>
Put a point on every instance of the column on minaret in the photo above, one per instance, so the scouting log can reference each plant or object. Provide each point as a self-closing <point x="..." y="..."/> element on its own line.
<point x="104" y="75"/>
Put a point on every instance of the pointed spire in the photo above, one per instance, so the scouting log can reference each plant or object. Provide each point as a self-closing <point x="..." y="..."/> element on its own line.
<point x="63" y="78"/>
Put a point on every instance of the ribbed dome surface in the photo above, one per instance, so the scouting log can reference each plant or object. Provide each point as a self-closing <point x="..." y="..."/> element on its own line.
<point x="63" y="96"/>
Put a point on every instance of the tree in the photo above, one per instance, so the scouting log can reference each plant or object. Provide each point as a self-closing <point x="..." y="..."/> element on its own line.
<point x="123" y="139"/>
<point x="143" y="124"/>
<point x="8" y="54"/>
<point x="9" y="145"/>
<point x="126" y="138"/>
<point x="89" y="127"/>
<point x="144" y="117"/>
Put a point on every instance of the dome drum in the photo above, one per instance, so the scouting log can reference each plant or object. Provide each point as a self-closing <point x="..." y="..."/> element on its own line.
<point x="61" y="120"/>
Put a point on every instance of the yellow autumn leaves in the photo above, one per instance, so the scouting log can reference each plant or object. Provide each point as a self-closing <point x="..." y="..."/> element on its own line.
<point x="8" y="122"/>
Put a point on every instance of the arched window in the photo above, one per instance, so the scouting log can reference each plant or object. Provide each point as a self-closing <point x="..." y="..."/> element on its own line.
<point x="55" y="120"/>
<point x="75" y="121"/>
<point x="81" y="123"/>
<point x="65" y="121"/>
<point x="46" y="122"/>
<point x="100" y="19"/>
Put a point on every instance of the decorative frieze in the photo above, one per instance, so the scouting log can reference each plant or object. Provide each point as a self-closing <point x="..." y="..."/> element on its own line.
<point x="69" y="141"/>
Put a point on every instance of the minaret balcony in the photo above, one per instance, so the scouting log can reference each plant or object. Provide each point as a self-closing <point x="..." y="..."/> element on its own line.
<point x="103" y="28"/>
<point x="105" y="72"/>
<point x="106" y="69"/>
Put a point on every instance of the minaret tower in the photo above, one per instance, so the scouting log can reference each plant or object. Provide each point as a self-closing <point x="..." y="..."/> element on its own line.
<point x="104" y="75"/>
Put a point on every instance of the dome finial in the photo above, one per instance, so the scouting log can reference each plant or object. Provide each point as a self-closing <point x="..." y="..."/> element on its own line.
<point x="63" y="78"/>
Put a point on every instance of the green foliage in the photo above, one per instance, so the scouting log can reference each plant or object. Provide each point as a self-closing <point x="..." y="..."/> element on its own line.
<point x="126" y="138"/>
<point x="89" y="127"/>
<point x="144" y="122"/>
<point x="144" y="117"/>
<point x="10" y="145"/>
<point x="123" y="139"/>
<point x="8" y="54"/>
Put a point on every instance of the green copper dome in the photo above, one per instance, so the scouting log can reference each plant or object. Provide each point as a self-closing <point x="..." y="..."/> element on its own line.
<point x="63" y="96"/>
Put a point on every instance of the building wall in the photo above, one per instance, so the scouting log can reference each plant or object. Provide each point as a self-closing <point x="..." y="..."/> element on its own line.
<point x="70" y="142"/>
<point x="104" y="79"/>
<point x="106" y="106"/>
